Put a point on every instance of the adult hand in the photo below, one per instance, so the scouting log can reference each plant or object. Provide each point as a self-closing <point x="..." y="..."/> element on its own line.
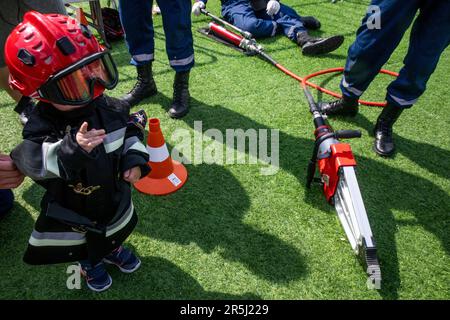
<point x="10" y="177"/>
<point x="197" y="6"/>
<point x="272" y="7"/>
<point x="88" y="140"/>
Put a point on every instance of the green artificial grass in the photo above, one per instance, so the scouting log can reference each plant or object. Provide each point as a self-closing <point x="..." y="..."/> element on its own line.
<point x="232" y="233"/>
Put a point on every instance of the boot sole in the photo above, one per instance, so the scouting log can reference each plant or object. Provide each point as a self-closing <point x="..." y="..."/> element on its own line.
<point x="93" y="288"/>
<point x="102" y="289"/>
<point x="133" y="102"/>
<point x="382" y="154"/>
<point x="310" y="26"/>
<point x="338" y="113"/>
<point x="178" y="115"/>
<point x="324" y="46"/>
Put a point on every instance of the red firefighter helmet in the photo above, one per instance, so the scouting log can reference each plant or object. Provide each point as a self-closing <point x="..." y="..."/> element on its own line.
<point x="54" y="58"/>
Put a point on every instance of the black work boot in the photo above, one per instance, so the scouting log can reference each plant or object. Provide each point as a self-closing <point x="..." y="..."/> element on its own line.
<point x="384" y="142"/>
<point x="311" y="23"/>
<point x="180" y="103"/>
<point x="311" y="45"/>
<point x="346" y="106"/>
<point x="145" y="86"/>
<point x="24" y="109"/>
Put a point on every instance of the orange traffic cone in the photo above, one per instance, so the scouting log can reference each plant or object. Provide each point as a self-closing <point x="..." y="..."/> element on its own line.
<point x="80" y="16"/>
<point x="167" y="175"/>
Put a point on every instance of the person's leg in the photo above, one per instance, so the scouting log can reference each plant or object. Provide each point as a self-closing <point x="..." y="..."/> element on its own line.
<point x="309" y="22"/>
<point x="370" y="51"/>
<point x="373" y="47"/>
<point x="290" y="22"/>
<point x="176" y="15"/>
<point x="137" y="22"/>
<point x="6" y="201"/>
<point x="430" y="36"/>
<point x="244" y="17"/>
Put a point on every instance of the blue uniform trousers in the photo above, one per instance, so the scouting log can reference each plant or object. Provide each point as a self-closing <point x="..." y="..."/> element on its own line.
<point x="430" y="35"/>
<point x="136" y="18"/>
<point x="6" y="201"/>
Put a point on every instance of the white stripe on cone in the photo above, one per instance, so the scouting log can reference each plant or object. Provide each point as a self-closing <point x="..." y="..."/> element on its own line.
<point x="158" y="154"/>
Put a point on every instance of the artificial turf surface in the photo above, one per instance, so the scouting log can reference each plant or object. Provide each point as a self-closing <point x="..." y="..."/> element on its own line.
<point x="232" y="233"/>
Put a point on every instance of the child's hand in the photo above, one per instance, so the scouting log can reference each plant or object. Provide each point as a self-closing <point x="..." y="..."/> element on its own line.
<point x="132" y="175"/>
<point x="88" y="140"/>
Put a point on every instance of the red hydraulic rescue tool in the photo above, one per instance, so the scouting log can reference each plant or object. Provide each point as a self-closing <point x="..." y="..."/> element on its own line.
<point x="333" y="158"/>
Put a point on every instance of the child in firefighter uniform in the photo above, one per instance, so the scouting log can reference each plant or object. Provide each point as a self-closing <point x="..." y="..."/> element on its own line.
<point x="80" y="145"/>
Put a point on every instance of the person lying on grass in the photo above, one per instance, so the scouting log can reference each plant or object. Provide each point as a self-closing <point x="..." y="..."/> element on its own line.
<point x="264" y="18"/>
<point x="80" y="145"/>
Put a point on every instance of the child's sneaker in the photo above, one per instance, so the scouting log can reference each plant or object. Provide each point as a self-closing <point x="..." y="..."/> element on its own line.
<point x="97" y="279"/>
<point x="124" y="259"/>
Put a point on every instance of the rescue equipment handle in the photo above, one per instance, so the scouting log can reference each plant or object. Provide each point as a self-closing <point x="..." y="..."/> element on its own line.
<point x="347" y="134"/>
<point x="245" y="34"/>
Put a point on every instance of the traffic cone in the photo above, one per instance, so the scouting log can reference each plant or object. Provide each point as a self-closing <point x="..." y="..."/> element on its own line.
<point x="81" y="17"/>
<point x="167" y="175"/>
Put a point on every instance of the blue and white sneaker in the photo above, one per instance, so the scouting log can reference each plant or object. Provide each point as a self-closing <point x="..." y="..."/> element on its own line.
<point x="97" y="278"/>
<point x="124" y="259"/>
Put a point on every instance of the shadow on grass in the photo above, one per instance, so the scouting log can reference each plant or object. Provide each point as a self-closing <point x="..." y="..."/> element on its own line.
<point x="10" y="103"/>
<point x="385" y="188"/>
<point x="427" y="156"/>
<point x="208" y="211"/>
<point x="159" y="278"/>
<point x="15" y="229"/>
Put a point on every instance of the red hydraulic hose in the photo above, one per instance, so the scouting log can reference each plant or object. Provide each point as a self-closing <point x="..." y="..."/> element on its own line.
<point x="237" y="40"/>
<point x="329" y="92"/>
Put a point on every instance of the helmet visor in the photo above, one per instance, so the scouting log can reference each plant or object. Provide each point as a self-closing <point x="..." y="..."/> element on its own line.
<point x="75" y="85"/>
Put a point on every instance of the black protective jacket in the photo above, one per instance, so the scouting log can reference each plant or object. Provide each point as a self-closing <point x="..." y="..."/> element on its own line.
<point x="87" y="210"/>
